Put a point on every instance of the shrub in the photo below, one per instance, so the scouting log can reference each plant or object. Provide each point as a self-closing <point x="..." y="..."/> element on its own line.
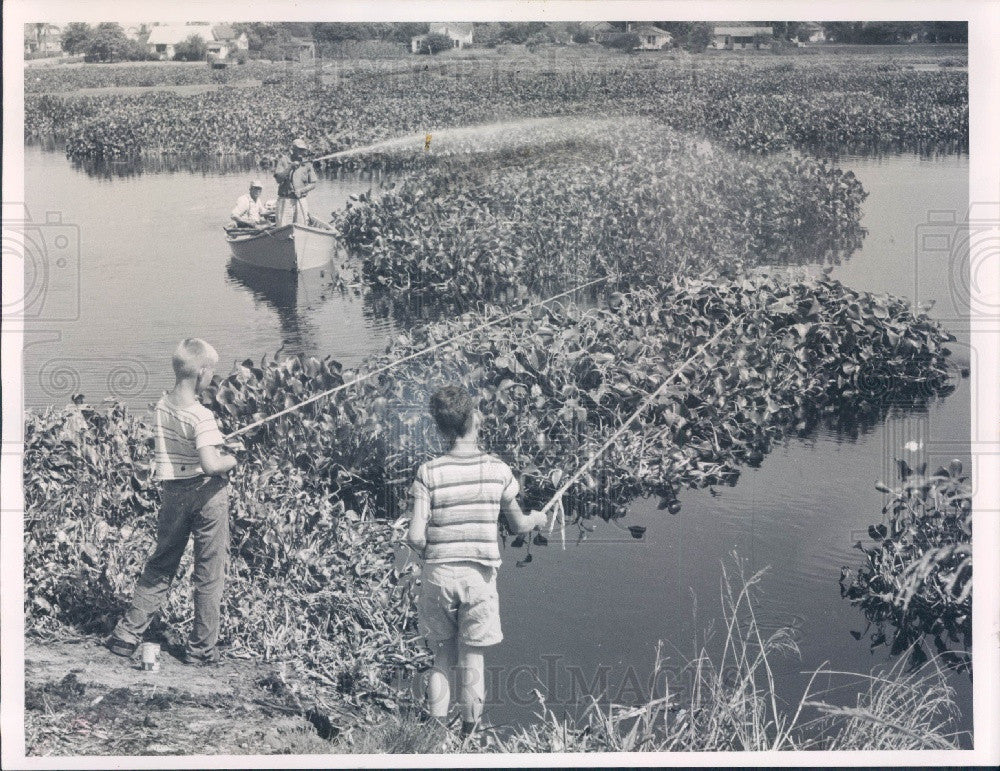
<point x="434" y="43"/>
<point x="107" y="43"/>
<point x="698" y="38"/>
<point x="917" y="576"/>
<point x="463" y="230"/>
<point x="271" y="52"/>
<point x="621" y="41"/>
<point x="191" y="49"/>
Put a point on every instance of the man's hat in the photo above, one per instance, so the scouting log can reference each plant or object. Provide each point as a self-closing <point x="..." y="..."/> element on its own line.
<point x="300" y="144"/>
<point x="256" y="183"/>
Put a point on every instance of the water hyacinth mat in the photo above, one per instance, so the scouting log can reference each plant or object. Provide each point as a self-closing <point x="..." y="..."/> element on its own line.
<point x="316" y="496"/>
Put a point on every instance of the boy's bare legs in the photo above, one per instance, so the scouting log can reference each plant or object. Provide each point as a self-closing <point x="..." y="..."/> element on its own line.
<point x="472" y="682"/>
<point x="438" y="690"/>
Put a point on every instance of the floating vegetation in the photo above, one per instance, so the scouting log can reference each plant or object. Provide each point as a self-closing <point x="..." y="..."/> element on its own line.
<point x="313" y="504"/>
<point x="555" y="384"/>
<point x="637" y="200"/>
<point x="755" y="105"/>
<point x="310" y="580"/>
<point x="916" y="580"/>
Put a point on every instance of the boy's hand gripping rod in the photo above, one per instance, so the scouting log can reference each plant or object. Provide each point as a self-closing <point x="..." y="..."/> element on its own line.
<point x="408" y="357"/>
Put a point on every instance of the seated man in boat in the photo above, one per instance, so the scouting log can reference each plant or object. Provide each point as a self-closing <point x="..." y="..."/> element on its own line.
<point x="249" y="210"/>
<point x="295" y="178"/>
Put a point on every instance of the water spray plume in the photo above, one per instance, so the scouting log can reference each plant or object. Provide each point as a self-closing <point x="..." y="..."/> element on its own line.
<point x="493" y="137"/>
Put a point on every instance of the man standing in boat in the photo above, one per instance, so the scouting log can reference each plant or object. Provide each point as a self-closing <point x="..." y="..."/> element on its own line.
<point x="249" y="210"/>
<point x="295" y="178"/>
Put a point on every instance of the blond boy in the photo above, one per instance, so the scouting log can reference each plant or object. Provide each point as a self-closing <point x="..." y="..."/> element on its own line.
<point x="192" y="463"/>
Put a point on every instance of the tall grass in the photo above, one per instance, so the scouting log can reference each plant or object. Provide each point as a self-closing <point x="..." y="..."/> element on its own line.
<point x="730" y="704"/>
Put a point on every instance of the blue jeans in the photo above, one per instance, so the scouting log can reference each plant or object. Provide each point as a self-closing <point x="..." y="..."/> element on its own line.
<point x="196" y="507"/>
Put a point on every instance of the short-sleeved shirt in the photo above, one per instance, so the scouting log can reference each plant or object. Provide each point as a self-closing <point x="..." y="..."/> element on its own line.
<point x="465" y="496"/>
<point x="292" y="179"/>
<point x="248" y="210"/>
<point x="179" y="432"/>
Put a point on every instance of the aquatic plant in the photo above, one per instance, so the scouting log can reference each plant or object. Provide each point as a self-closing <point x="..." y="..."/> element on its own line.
<point x="752" y="105"/>
<point x="310" y="581"/>
<point x="321" y="493"/>
<point x="915" y="581"/>
<point x="637" y="200"/>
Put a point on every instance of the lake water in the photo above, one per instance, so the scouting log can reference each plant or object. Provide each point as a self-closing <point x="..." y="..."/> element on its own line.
<point x="154" y="268"/>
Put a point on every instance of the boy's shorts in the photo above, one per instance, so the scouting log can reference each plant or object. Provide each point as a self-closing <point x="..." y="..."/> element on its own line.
<point x="458" y="600"/>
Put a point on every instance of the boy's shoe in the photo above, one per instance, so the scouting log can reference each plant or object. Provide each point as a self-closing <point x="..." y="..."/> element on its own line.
<point x="120" y="647"/>
<point x="209" y="659"/>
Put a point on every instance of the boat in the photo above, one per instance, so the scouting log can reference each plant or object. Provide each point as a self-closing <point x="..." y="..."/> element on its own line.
<point x="291" y="247"/>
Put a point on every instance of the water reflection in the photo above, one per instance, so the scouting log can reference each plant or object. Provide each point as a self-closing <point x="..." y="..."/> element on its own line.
<point x="171" y="163"/>
<point x="291" y="295"/>
<point x="103" y="168"/>
<point x="846" y="421"/>
<point x="876" y="150"/>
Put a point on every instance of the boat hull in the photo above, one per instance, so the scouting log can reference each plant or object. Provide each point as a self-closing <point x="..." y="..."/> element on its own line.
<point x="291" y="247"/>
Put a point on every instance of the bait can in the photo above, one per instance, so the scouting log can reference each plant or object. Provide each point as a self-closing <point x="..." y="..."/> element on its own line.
<point x="150" y="656"/>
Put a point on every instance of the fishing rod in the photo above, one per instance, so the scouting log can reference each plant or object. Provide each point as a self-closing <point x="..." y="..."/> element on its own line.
<point x="408" y="357"/>
<point x="555" y="504"/>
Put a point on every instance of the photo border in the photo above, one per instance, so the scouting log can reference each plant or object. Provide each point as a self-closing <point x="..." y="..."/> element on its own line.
<point x="984" y="78"/>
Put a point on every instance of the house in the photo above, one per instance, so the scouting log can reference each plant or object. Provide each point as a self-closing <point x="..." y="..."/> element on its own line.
<point x="811" y="32"/>
<point x="224" y="33"/>
<point x="598" y="31"/>
<point x="298" y="49"/>
<point x="220" y="39"/>
<point x="739" y="37"/>
<point x="460" y="32"/>
<point x="651" y="38"/>
<point x="163" y="38"/>
<point x="42" y="39"/>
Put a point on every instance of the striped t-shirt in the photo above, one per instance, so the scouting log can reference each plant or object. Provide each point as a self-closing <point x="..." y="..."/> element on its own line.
<point x="179" y="433"/>
<point x="465" y="495"/>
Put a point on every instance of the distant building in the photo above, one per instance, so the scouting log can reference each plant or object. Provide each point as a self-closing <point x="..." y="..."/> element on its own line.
<point x="739" y="37"/>
<point x="460" y="32"/>
<point x="299" y="50"/>
<point x="226" y="35"/>
<point x="220" y="39"/>
<point x="598" y="31"/>
<point x="651" y="38"/>
<point x="163" y="38"/>
<point x="42" y="39"/>
<point x="811" y="32"/>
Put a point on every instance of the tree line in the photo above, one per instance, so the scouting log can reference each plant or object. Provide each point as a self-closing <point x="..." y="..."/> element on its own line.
<point x="490" y="34"/>
<point x="107" y="41"/>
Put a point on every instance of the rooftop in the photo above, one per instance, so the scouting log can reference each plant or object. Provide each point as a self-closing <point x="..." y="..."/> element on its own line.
<point x="458" y="27"/>
<point x="746" y="31"/>
<point x="172" y="34"/>
<point x="650" y="29"/>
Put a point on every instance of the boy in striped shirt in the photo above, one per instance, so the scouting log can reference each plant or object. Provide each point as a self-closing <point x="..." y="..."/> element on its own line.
<point x="457" y="500"/>
<point x="192" y="463"/>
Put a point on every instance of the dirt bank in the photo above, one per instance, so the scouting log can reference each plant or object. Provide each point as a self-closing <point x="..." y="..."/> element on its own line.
<point x="80" y="699"/>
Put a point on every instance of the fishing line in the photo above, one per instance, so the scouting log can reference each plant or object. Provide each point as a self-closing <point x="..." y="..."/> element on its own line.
<point x="409" y="357"/>
<point x="555" y="503"/>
